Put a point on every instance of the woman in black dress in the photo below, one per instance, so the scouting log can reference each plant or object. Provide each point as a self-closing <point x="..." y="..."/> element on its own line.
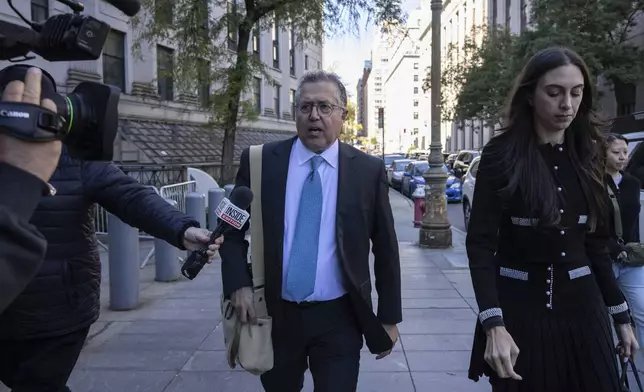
<point x="541" y="272"/>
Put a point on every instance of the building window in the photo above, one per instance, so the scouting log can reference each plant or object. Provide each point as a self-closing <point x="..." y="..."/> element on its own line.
<point x="276" y="104"/>
<point x="319" y="65"/>
<point x="114" y="60"/>
<point x="292" y="101"/>
<point x="291" y="51"/>
<point x="39" y="10"/>
<point x="306" y="62"/>
<point x="203" y="77"/>
<point x="415" y="131"/>
<point x="415" y="78"/>
<point x="415" y="102"/>
<point x="164" y="13"/>
<point x="256" y="41"/>
<point x="415" y="65"/>
<point x="276" y="45"/>
<point x="257" y="94"/>
<point x="165" y="69"/>
<point x="415" y="90"/>
<point x="415" y="115"/>
<point x="232" y="24"/>
<point x="626" y="96"/>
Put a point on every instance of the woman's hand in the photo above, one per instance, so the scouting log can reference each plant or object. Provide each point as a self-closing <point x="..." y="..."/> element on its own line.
<point x="501" y="353"/>
<point x="627" y="343"/>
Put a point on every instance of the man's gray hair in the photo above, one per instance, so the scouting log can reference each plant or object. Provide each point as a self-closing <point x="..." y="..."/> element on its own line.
<point x="323" y="76"/>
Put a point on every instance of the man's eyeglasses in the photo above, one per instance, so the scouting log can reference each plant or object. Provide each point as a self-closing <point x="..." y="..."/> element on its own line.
<point x="324" y="108"/>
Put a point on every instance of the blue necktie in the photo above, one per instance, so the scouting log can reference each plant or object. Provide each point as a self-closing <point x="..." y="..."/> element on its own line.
<point x="302" y="265"/>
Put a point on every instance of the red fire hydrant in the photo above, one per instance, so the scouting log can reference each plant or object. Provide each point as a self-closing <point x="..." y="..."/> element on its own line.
<point x="419" y="205"/>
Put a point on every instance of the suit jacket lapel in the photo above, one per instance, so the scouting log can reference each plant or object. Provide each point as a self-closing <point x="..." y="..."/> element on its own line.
<point x="346" y="188"/>
<point x="275" y="186"/>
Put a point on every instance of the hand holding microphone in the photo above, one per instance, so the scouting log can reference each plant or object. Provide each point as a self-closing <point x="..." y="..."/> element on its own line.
<point x="233" y="215"/>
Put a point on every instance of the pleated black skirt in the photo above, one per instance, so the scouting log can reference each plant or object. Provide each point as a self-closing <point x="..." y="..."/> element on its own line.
<point x="561" y="326"/>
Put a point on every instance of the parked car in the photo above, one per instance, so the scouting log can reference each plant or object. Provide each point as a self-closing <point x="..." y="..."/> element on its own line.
<point x="413" y="177"/>
<point x="463" y="161"/>
<point x="389" y="159"/>
<point x="634" y="139"/>
<point x="395" y="172"/>
<point x="468" y="190"/>
<point x="451" y="158"/>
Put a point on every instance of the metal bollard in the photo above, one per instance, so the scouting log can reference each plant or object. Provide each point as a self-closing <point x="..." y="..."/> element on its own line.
<point x="215" y="196"/>
<point x="167" y="267"/>
<point x="196" y="207"/>
<point x="229" y="188"/>
<point x="123" y="253"/>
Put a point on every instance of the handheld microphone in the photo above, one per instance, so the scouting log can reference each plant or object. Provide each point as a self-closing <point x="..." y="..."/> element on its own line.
<point x="128" y="7"/>
<point x="233" y="215"/>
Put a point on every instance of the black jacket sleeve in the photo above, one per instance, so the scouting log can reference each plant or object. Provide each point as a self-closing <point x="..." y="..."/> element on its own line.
<point x="602" y="266"/>
<point x="235" y="273"/>
<point x="386" y="255"/>
<point x="135" y="204"/>
<point x="22" y="247"/>
<point x="482" y="239"/>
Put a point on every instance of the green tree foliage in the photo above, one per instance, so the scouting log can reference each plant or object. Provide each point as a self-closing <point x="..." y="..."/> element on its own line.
<point x="213" y="47"/>
<point x="599" y="30"/>
<point x="351" y="127"/>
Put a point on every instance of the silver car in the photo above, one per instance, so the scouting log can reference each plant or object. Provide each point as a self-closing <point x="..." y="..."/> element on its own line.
<point x="395" y="172"/>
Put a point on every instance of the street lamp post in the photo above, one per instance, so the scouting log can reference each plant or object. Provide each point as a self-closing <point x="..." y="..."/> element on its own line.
<point x="435" y="231"/>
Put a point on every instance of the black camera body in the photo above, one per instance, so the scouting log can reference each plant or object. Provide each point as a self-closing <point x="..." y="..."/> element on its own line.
<point x="86" y="119"/>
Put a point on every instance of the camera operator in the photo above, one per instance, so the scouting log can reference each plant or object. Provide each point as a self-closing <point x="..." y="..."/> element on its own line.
<point x="43" y="331"/>
<point x="24" y="170"/>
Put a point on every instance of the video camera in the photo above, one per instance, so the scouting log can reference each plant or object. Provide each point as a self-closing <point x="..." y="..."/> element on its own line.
<point x="86" y="119"/>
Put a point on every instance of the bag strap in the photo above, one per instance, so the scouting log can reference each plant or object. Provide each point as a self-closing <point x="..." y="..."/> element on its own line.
<point x="624" y="375"/>
<point x="618" y="215"/>
<point x="256" y="219"/>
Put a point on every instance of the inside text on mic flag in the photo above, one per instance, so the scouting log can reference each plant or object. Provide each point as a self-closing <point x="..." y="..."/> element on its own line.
<point x="231" y="214"/>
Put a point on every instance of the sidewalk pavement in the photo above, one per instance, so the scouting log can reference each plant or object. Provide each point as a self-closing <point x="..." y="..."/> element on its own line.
<point x="173" y="342"/>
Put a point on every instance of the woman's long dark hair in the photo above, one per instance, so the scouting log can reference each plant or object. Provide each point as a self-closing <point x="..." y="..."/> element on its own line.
<point x="530" y="174"/>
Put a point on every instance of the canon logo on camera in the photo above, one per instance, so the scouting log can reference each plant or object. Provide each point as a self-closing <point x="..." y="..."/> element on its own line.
<point x="12" y="113"/>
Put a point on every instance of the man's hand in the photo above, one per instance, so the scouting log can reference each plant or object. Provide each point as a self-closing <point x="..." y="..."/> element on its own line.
<point x="392" y="331"/>
<point x="195" y="238"/>
<point x="39" y="159"/>
<point x="244" y="304"/>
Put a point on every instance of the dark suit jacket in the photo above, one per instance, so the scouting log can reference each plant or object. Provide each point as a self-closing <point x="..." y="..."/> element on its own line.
<point x="363" y="215"/>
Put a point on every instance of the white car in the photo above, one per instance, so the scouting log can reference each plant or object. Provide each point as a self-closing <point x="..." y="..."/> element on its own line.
<point x="469" y="180"/>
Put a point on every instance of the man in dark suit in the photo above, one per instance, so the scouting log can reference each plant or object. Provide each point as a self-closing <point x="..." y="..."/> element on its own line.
<point x="323" y="201"/>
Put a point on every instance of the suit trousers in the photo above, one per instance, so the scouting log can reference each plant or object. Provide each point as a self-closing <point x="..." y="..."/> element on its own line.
<point x="323" y="336"/>
<point x="40" y="365"/>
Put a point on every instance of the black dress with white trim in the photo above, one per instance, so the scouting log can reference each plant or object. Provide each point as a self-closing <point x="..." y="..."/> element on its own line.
<point x="552" y="287"/>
